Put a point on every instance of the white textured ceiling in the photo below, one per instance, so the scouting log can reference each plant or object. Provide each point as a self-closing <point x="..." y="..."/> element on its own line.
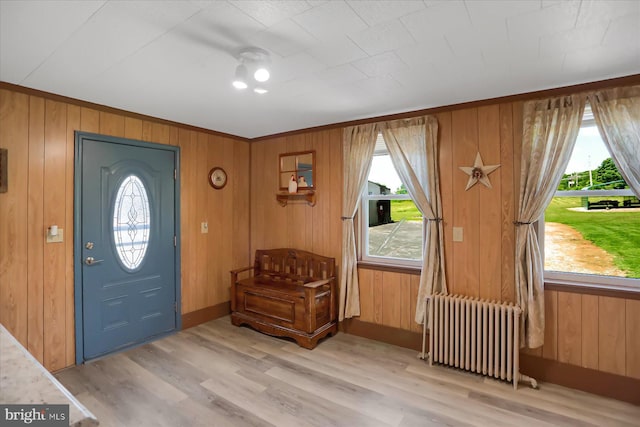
<point x="332" y="61"/>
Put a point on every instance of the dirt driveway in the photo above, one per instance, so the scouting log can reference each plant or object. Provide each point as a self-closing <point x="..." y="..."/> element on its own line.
<point x="566" y="250"/>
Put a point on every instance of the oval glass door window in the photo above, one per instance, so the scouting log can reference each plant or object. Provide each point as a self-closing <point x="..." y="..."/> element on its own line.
<point x="131" y="222"/>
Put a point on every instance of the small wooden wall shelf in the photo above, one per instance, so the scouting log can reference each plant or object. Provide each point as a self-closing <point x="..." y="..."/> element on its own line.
<point x="308" y="196"/>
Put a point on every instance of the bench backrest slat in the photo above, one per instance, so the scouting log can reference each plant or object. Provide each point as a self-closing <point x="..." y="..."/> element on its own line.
<point x="294" y="262"/>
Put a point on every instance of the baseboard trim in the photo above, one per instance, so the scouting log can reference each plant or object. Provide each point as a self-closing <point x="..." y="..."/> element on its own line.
<point x="590" y="380"/>
<point x="194" y="318"/>
<point x="597" y="382"/>
<point x="387" y="334"/>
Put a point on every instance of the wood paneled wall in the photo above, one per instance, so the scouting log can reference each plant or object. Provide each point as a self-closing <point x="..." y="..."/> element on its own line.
<point x="316" y="229"/>
<point x="389" y="298"/>
<point x="36" y="278"/>
<point x="482" y="265"/>
<point x="591" y="331"/>
<point x="597" y="332"/>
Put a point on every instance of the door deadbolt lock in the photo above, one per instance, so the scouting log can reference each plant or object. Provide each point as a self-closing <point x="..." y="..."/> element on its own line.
<point x="89" y="245"/>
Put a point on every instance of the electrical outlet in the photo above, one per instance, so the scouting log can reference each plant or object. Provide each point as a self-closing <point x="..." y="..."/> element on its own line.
<point x="457" y="234"/>
<point x="204" y="227"/>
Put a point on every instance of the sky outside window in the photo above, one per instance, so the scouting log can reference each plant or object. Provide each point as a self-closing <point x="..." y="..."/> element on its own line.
<point x="589" y="152"/>
<point x="383" y="172"/>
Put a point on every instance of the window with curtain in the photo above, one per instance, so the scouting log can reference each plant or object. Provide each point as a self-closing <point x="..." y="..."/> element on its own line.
<point x="391" y="224"/>
<point x="590" y="233"/>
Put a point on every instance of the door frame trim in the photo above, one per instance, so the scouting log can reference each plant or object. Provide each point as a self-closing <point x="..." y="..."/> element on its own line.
<point x="80" y="137"/>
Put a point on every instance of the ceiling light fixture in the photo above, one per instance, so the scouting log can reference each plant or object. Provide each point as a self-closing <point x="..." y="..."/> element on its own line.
<point x="240" y="81"/>
<point x="257" y="61"/>
<point x="261" y="75"/>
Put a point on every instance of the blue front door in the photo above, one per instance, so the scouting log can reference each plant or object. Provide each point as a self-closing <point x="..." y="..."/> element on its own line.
<point x="126" y="252"/>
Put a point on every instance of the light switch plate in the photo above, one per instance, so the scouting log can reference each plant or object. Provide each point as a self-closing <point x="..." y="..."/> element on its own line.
<point x="204" y="227"/>
<point x="58" y="238"/>
<point x="457" y="234"/>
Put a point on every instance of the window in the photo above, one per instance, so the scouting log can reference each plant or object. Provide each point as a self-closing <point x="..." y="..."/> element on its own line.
<point x="390" y="221"/>
<point x="131" y="221"/>
<point x="591" y="228"/>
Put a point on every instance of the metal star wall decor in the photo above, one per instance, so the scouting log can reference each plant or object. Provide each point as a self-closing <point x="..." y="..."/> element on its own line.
<point x="478" y="172"/>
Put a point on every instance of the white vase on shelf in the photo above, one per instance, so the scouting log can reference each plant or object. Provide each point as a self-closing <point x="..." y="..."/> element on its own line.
<point x="293" y="185"/>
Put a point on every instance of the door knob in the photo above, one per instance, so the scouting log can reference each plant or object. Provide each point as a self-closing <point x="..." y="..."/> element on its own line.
<point x="91" y="260"/>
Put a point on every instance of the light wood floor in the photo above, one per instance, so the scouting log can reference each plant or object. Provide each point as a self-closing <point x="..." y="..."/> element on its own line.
<point x="217" y="374"/>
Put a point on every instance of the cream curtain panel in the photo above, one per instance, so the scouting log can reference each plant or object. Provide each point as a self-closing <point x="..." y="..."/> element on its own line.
<point x="358" y="145"/>
<point x="413" y="147"/>
<point x="550" y="130"/>
<point x="617" y="114"/>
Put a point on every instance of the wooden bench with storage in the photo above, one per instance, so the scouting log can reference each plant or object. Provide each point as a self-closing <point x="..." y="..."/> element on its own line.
<point x="291" y="293"/>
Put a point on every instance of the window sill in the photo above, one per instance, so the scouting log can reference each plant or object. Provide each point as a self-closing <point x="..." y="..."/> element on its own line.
<point x="390" y="268"/>
<point x="551" y="284"/>
<point x="593" y="289"/>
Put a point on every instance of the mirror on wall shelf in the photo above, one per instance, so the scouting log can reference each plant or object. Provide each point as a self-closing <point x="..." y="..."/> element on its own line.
<point x="302" y="165"/>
